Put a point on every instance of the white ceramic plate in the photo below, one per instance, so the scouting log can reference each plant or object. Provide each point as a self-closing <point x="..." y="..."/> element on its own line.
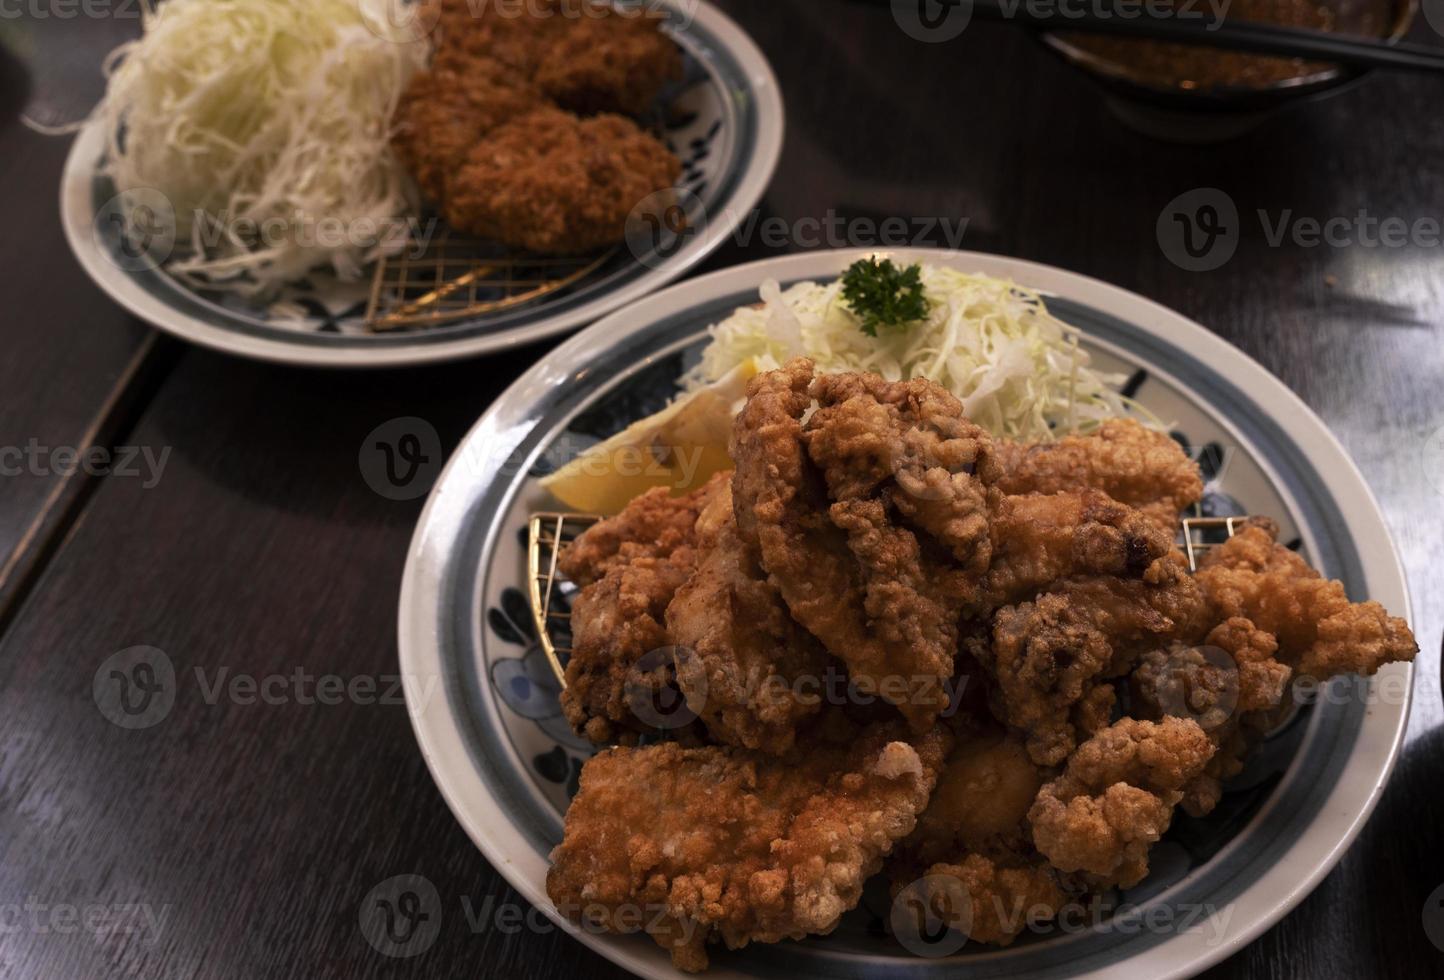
<point x="507" y="763"/>
<point x="725" y="123"/>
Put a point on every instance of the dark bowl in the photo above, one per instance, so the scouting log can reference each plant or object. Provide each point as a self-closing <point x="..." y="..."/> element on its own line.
<point x="1173" y="112"/>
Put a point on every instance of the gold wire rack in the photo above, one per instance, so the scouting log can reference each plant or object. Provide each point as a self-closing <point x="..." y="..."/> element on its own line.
<point x="455" y="278"/>
<point x="549" y="532"/>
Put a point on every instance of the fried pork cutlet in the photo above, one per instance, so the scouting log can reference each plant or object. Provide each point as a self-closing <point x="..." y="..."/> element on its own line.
<point x="1144" y="469"/>
<point x="555" y="183"/>
<point x="631" y="566"/>
<point x="487" y="132"/>
<point x="706" y="844"/>
<point x="818" y="506"/>
<point x="1053" y="656"/>
<point x="585" y="55"/>
<point x="1320" y="632"/>
<point x="747" y="670"/>
<point x="1116" y="798"/>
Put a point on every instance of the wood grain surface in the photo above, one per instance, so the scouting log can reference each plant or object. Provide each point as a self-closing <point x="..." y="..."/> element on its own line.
<point x="254" y="832"/>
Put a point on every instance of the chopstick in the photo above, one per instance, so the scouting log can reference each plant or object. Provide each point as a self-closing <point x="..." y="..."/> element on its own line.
<point x="1083" y="18"/>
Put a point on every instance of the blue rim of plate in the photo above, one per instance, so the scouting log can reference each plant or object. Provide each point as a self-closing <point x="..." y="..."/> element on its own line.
<point x="752" y="109"/>
<point x="451" y="618"/>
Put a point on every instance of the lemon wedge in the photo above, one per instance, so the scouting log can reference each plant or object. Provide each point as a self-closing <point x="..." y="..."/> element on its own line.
<point x="679" y="447"/>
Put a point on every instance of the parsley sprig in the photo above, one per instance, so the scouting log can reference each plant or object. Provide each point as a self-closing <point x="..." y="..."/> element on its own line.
<point x="882" y="295"/>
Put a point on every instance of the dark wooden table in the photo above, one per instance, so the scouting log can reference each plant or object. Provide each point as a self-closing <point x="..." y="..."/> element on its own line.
<point x="253" y="832"/>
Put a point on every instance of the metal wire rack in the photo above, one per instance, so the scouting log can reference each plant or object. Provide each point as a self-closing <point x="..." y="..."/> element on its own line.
<point x="456" y="278"/>
<point x="548" y="532"/>
<point x="1200" y="534"/>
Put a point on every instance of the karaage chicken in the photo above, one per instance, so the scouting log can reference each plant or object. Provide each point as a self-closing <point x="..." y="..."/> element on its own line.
<point x="706" y="844"/>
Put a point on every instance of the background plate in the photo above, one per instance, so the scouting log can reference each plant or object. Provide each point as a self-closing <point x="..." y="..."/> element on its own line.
<point x="507" y="763"/>
<point x="727" y="129"/>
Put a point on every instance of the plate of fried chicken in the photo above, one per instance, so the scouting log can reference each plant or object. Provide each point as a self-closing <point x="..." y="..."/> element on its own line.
<point x="893" y="695"/>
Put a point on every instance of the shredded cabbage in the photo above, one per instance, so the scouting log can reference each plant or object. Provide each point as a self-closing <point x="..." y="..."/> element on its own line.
<point x="265" y="114"/>
<point x="1017" y="369"/>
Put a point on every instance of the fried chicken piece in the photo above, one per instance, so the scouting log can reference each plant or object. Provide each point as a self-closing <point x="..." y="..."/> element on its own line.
<point x="1136" y="466"/>
<point x="585" y="55"/>
<point x="744" y="665"/>
<point x="1116" y="798"/>
<point x="556" y="184"/>
<point x="1320" y="632"/>
<point x="717" y="843"/>
<point x="975" y="833"/>
<point x="1039" y="539"/>
<point x="655" y="524"/>
<point x="986" y="901"/>
<point x="631" y="566"/>
<point x="1051" y="656"/>
<point x="1233" y="687"/>
<point x="881" y="594"/>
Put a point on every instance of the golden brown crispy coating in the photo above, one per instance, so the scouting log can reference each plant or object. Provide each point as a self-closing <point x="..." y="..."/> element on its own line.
<point x="707" y="844"/>
<point x="631" y="566"/>
<point x="554" y="183"/>
<point x="486" y="131"/>
<point x="1116" y="798"/>
<point x="1144" y="469"/>
<point x="991" y="902"/>
<point x="1052" y="656"/>
<point x="1234" y="698"/>
<point x="585" y="55"/>
<point x="748" y="671"/>
<point x="1039" y="539"/>
<point x="1320" y="632"/>
<point x="982" y="799"/>
<point x="654" y="524"/>
<point x="881" y="593"/>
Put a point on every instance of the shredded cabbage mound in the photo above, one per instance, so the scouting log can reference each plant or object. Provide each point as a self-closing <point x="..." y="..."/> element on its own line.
<point x="269" y="114"/>
<point x="1017" y="369"/>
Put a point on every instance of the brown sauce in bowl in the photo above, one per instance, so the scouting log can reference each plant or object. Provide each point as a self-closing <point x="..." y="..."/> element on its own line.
<point x="1201" y="68"/>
